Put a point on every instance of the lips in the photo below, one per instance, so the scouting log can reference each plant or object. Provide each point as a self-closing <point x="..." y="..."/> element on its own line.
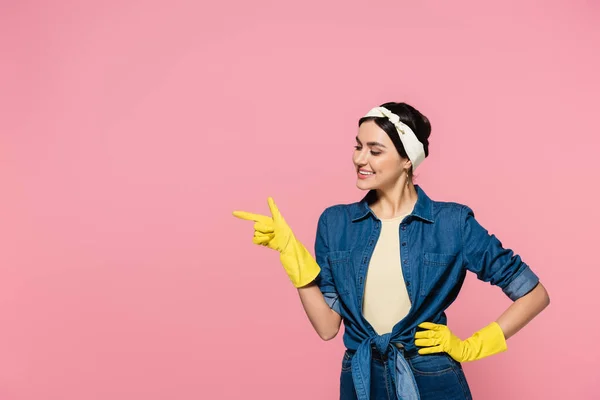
<point x="364" y="173"/>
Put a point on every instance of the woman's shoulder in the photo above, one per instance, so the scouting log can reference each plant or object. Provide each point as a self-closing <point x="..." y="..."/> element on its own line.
<point x="450" y="209"/>
<point x="343" y="210"/>
<point x="340" y="209"/>
<point x="448" y="205"/>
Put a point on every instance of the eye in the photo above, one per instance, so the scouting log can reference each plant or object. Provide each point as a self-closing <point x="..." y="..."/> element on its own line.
<point x="357" y="147"/>
<point x="376" y="153"/>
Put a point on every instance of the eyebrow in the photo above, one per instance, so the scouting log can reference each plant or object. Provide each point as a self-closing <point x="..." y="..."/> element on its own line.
<point x="372" y="143"/>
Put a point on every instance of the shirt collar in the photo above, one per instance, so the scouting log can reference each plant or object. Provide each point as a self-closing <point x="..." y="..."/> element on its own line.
<point x="423" y="208"/>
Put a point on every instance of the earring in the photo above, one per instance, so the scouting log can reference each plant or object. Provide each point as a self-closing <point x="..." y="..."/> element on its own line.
<point x="407" y="178"/>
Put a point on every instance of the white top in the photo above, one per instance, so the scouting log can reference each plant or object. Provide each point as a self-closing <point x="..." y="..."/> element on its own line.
<point x="386" y="298"/>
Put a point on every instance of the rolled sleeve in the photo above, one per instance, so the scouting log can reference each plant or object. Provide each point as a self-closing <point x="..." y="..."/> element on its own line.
<point x="325" y="279"/>
<point x="491" y="262"/>
<point x="521" y="284"/>
<point x="333" y="300"/>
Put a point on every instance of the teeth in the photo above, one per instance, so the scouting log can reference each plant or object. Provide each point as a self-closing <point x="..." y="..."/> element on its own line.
<point x="365" y="173"/>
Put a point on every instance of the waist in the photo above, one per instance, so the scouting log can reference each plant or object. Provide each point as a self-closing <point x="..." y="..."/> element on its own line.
<point x="376" y="355"/>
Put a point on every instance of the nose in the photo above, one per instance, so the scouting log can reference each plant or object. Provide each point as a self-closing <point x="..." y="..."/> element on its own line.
<point x="360" y="158"/>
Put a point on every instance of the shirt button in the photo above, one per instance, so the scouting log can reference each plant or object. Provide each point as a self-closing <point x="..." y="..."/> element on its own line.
<point x="403" y="227"/>
<point x="371" y="243"/>
<point x="403" y="243"/>
<point x="405" y="261"/>
<point x="407" y="283"/>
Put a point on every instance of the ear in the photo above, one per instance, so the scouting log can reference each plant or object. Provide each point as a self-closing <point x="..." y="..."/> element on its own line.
<point x="407" y="164"/>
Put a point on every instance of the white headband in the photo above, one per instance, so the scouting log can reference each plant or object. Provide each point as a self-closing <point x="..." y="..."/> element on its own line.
<point x="414" y="148"/>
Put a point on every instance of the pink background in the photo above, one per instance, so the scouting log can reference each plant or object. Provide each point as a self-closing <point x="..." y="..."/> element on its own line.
<point x="129" y="131"/>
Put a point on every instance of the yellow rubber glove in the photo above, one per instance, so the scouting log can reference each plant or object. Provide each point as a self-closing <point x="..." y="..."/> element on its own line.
<point x="438" y="338"/>
<point x="275" y="233"/>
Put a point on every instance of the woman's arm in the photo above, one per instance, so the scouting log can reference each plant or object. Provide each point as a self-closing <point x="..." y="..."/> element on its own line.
<point x="523" y="310"/>
<point x="489" y="340"/>
<point x="485" y="256"/>
<point x="301" y="267"/>
<point x="325" y="321"/>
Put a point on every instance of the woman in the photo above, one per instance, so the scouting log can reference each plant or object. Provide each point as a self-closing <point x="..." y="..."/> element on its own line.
<point x="391" y="264"/>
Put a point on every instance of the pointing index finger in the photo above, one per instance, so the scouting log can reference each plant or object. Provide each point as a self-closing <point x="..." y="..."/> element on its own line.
<point x="251" y="217"/>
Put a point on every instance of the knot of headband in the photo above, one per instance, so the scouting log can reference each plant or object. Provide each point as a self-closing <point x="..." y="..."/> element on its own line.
<point x="414" y="148"/>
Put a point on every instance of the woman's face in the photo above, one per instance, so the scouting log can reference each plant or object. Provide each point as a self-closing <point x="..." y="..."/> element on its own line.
<point x="378" y="164"/>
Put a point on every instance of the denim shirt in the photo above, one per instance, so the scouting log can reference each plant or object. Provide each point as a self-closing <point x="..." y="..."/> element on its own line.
<point x="439" y="243"/>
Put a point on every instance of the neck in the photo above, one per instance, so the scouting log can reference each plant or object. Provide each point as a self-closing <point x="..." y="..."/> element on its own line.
<point x="395" y="202"/>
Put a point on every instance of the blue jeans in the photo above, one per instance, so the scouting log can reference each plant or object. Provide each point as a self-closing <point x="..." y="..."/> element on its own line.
<point x="438" y="377"/>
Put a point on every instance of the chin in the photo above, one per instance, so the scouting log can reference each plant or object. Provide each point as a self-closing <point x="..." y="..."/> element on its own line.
<point x="363" y="185"/>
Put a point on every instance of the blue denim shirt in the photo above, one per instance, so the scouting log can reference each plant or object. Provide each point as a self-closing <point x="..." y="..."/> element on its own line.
<point x="439" y="243"/>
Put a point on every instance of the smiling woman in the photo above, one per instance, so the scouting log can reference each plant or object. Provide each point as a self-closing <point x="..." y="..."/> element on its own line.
<point x="389" y="266"/>
<point x="382" y="160"/>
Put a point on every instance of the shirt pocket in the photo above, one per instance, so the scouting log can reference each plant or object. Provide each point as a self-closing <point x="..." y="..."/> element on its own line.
<point x="341" y="270"/>
<point x="435" y="268"/>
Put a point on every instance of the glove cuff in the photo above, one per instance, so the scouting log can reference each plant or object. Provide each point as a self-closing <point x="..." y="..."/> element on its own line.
<point x="491" y="340"/>
<point x="299" y="264"/>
